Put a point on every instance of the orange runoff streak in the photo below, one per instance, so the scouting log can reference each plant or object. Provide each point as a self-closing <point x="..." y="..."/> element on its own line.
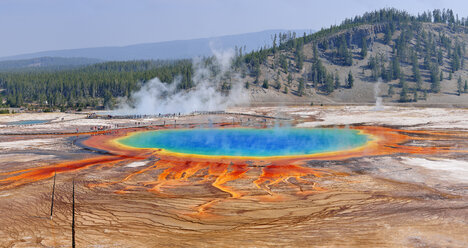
<point x="36" y="174"/>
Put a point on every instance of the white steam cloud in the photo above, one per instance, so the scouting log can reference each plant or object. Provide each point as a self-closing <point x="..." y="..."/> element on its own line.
<point x="156" y="97"/>
<point x="378" y="99"/>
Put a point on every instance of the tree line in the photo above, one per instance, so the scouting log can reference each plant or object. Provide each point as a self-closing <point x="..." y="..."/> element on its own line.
<point x="93" y="85"/>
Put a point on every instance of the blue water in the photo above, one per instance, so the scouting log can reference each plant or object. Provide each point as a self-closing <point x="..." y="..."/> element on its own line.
<point x="248" y="142"/>
<point x="28" y="122"/>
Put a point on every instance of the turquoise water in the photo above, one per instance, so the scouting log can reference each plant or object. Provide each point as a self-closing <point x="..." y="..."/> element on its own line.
<point x="249" y="142"/>
<point x="28" y="122"/>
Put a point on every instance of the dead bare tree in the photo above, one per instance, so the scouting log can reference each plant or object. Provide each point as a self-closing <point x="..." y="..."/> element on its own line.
<point x="53" y="194"/>
<point x="73" y="214"/>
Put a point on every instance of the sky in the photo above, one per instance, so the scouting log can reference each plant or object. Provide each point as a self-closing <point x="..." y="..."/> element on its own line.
<point x="39" y="25"/>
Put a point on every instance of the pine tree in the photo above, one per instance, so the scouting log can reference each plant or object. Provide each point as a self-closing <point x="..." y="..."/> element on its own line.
<point x="318" y="73"/>
<point x="19" y="99"/>
<point x="402" y="82"/>
<point x="300" y="61"/>
<point x="344" y="53"/>
<point x="350" y="80"/>
<point x="386" y="73"/>
<point x="440" y="57"/>
<point x="396" y="68"/>
<point x="348" y="58"/>
<point x="435" y="83"/>
<point x="107" y="99"/>
<point x="300" y="89"/>
<point x="455" y="61"/>
<point x="427" y="61"/>
<point x="329" y="85"/>
<point x="337" y="81"/>
<point x="283" y="63"/>
<point x="265" y="84"/>
<point x="388" y="36"/>
<point x="278" y="85"/>
<point x="466" y="87"/>
<point x="274" y="45"/>
<point x="404" y="93"/>
<point x="390" y="91"/>
<point x="299" y="55"/>
<point x="416" y="72"/>
<point x="290" y="79"/>
<point x="315" y="52"/>
<point x="459" y="85"/>
<point x="363" y="47"/>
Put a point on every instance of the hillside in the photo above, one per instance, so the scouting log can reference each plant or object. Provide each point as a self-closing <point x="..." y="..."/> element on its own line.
<point x="177" y="49"/>
<point x="405" y="53"/>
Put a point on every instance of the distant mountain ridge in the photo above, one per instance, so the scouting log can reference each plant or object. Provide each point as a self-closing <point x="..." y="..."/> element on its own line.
<point x="45" y="63"/>
<point x="177" y="49"/>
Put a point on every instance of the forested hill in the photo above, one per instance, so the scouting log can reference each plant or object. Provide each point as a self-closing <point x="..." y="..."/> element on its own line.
<point x="387" y="53"/>
<point x="391" y="54"/>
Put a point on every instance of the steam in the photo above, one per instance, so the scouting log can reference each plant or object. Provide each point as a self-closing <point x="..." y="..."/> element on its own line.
<point x="378" y="99"/>
<point x="156" y="97"/>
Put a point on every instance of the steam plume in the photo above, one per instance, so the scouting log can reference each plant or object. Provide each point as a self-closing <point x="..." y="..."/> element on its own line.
<point x="156" y="97"/>
<point x="378" y="100"/>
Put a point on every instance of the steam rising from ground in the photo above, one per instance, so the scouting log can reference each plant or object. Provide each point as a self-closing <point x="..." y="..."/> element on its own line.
<point x="156" y="97"/>
<point x="378" y="99"/>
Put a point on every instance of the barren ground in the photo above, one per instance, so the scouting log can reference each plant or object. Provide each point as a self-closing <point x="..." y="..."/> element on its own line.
<point x="395" y="200"/>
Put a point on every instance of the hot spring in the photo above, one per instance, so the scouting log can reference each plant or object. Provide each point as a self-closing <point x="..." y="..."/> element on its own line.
<point x="27" y="122"/>
<point x="248" y="142"/>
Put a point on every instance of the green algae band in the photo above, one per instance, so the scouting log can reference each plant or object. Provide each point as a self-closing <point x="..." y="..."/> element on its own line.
<point x="248" y="142"/>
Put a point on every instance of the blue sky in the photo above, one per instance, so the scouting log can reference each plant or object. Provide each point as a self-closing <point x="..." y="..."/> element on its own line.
<point x="37" y="25"/>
